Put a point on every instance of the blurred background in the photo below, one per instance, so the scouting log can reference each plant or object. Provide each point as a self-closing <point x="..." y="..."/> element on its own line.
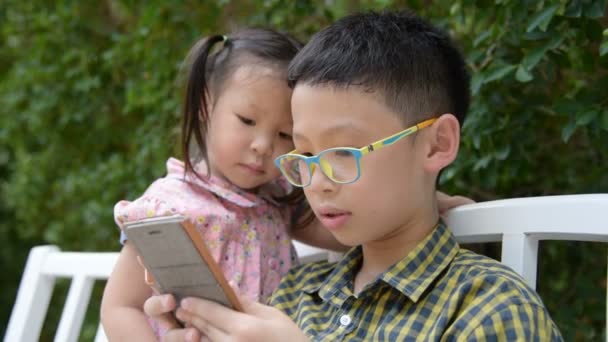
<point x="90" y="98"/>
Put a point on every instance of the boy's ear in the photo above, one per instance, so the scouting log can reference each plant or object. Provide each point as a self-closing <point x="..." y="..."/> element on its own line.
<point x="443" y="140"/>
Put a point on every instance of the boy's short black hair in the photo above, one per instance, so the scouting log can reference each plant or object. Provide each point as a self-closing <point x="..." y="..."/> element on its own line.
<point x="412" y="64"/>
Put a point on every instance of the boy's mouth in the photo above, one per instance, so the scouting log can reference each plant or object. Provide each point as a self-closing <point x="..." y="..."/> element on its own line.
<point x="333" y="218"/>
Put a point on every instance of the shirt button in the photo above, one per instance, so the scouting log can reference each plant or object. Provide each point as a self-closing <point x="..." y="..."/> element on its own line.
<point x="345" y="320"/>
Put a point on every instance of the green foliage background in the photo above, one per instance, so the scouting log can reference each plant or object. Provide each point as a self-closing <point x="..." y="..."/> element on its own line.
<point x="90" y="96"/>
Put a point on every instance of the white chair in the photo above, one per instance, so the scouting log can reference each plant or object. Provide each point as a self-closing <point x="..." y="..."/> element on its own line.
<point x="47" y="263"/>
<point x="44" y="265"/>
<point x="518" y="223"/>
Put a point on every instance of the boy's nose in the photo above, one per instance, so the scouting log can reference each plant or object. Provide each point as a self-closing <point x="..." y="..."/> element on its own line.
<point x="319" y="181"/>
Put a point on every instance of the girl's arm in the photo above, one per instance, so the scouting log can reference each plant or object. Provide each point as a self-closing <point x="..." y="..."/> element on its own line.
<point x="126" y="291"/>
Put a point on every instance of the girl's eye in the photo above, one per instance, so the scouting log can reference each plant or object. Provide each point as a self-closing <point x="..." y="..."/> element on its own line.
<point x="246" y="121"/>
<point x="285" y="136"/>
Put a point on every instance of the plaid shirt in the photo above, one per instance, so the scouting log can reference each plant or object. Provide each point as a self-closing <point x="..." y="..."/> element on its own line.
<point x="438" y="292"/>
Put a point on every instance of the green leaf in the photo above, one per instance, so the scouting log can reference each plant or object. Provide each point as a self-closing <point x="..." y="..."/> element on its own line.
<point x="503" y="153"/>
<point x="604" y="48"/>
<point x="595" y="9"/>
<point x="482" y="163"/>
<point x="542" y="19"/>
<point x="476" y="82"/>
<point x="533" y="57"/>
<point x="483" y="36"/>
<point x="477" y="141"/>
<point x="568" y="130"/>
<point x="605" y="120"/>
<point x="567" y="106"/>
<point x="555" y="42"/>
<point x="586" y="118"/>
<point x="522" y="75"/>
<point x="536" y="35"/>
<point x="454" y="8"/>
<point x="574" y="9"/>
<point x="498" y="73"/>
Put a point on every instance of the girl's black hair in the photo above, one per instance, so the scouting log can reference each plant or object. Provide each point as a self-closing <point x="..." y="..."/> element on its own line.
<point x="210" y="69"/>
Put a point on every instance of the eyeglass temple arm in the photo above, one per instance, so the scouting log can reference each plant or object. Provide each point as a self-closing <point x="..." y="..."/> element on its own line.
<point x="396" y="137"/>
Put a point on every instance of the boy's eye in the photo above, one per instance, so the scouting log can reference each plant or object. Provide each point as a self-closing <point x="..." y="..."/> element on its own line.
<point x="285" y="136"/>
<point x="245" y="120"/>
<point x="343" y="153"/>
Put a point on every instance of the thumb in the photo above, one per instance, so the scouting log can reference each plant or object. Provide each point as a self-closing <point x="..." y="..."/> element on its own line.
<point x="254" y="308"/>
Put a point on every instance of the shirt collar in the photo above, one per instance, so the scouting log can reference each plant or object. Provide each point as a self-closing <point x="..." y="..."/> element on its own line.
<point x="225" y="189"/>
<point x="411" y="276"/>
<point x="417" y="271"/>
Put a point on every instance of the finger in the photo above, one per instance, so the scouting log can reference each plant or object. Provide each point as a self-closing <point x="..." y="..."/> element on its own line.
<point x="448" y="202"/>
<point x="441" y="195"/>
<point x="160" y="308"/>
<point x="459" y="200"/>
<point x="159" y="305"/>
<point x="193" y="335"/>
<point x="181" y="335"/>
<point x="208" y="331"/>
<point x="215" y="314"/>
<point x="254" y="308"/>
<point x="198" y="322"/>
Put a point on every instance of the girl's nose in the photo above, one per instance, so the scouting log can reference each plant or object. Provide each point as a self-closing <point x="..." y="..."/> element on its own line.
<point x="262" y="146"/>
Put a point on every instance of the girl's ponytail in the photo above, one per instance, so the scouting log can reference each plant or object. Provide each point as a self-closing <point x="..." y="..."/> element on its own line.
<point x="197" y="99"/>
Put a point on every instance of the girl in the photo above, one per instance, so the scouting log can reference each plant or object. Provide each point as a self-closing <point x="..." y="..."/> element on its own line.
<point x="237" y="120"/>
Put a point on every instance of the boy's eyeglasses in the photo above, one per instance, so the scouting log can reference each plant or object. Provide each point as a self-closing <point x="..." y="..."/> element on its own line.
<point x="340" y="164"/>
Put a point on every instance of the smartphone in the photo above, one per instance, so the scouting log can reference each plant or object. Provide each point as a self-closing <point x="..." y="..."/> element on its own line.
<point x="174" y="253"/>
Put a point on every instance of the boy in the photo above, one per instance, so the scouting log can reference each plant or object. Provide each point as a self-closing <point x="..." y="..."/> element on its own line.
<point x="378" y="103"/>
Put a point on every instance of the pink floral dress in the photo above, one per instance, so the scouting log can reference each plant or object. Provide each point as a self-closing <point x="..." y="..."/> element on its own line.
<point x="246" y="233"/>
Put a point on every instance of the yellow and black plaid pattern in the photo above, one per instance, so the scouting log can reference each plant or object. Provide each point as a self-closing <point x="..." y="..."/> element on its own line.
<point x="438" y="292"/>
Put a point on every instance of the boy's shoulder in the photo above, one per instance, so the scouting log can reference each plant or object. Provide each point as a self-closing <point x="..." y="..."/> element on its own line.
<point x="480" y="276"/>
<point x="481" y="291"/>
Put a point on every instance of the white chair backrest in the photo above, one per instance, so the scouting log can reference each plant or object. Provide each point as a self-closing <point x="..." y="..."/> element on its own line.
<point x="47" y="263"/>
<point x="518" y="223"/>
<point x="44" y="265"/>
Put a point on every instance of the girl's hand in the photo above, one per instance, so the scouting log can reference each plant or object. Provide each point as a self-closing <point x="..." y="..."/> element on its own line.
<point x="446" y="202"/>
<point x="214" y="322"/>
